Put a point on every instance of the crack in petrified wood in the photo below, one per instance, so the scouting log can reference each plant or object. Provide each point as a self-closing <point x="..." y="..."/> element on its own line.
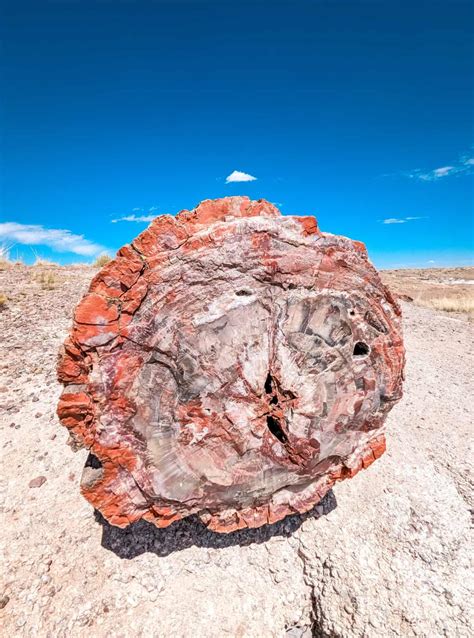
<point x="232" y="363"/>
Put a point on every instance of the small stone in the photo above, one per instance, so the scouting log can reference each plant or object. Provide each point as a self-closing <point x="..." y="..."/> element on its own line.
<point x="37" y="482"/>
<point x="4" y="600"/>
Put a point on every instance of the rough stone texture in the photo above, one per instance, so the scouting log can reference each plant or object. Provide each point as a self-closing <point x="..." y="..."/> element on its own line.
<point x="391" y="558"/>
<point x="231" y="363"/>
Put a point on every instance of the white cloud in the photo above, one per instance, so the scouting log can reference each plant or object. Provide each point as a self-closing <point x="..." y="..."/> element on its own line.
<point x="152" y="209"/>
<point x="443" y="171"/>
<point x="60" y="240"/>
<point x="463" y="167"/>
<point x="399" y="220"/>
<point x="136" y="210"/>
<point x="238" y="176"/>
<point x="437" y="173"/>
<point x="134" y="218"/>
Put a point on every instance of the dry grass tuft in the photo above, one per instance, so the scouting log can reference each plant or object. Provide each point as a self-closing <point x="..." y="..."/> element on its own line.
<point x="39" y="261"/>
<point x="102" y="260"/>
<point x="47" y="279"/>
<point x="3" y="301"/>
<point x="4" y="263"/>
<point x="449" y="304"/>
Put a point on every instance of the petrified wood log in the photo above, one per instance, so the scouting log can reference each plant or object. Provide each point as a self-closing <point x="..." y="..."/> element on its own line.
<point x="233" y="363"/>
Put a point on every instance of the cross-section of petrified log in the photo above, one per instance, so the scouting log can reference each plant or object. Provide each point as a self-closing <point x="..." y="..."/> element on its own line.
<point x="233" y="363"/>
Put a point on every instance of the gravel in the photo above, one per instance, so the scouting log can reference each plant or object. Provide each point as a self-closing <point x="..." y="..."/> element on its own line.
<point x="386" y="554"/>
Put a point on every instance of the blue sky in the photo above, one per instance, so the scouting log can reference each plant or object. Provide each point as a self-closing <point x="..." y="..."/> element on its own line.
<point x="356" y="112"/>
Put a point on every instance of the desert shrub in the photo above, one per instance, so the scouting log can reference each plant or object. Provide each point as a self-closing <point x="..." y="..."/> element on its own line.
<point x="102" y="260"/>
<point x="3" y="301"/>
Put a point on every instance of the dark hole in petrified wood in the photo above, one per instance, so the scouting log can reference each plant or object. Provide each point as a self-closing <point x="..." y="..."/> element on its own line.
<point x="276" y="429"/>
<point x="93" y="462"/>
<point x="92" y="472"/>
<point x="273" y="421"/>
<point x="269" y="384"/>
<point x="361" y="349"/>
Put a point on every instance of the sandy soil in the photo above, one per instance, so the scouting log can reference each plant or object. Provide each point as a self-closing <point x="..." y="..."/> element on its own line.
<point x="386" y="554"/>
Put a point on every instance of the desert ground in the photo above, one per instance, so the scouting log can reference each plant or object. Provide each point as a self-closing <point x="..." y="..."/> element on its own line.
<point x="447" y="289"/>
<point x="385" y="554"/>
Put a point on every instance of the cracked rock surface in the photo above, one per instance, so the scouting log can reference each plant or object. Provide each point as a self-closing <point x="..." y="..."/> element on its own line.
<point x="231" y="363"/>
<point x="385" y="554"/>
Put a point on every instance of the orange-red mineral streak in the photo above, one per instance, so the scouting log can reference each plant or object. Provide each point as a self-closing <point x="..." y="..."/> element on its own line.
<point x="231" y="363"/>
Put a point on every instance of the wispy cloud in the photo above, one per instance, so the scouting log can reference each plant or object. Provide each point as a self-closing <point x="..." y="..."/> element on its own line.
<point x="393" y="220"/>
<point x="238" y="176"/>
<point x="464" y="166"/>
<point x="144" y="218"/>
<point x="134" y="218"/>
<point x="400" y="220"/>
<point x="60" y="240"/>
